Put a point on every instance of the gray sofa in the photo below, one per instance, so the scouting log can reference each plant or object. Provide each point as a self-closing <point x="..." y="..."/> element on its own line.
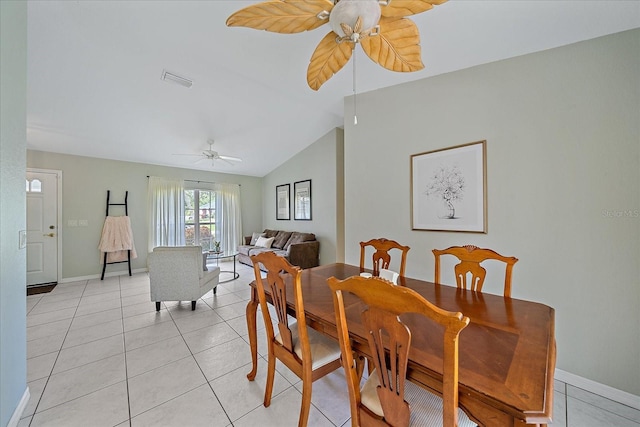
<point x="301" y="249"/>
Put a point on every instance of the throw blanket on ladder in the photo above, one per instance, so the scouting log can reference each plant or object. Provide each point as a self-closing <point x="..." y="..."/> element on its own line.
<point x="116" y="239"/>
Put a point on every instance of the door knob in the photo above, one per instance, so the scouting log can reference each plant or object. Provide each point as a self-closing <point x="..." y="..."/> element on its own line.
<point x="49" y="235"/>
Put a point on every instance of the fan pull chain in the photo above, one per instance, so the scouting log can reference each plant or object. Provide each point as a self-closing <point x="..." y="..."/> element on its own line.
<point x="355" y="115"/>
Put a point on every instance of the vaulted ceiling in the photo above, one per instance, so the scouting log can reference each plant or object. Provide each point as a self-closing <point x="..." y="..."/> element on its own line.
<point x="94" y="68"/>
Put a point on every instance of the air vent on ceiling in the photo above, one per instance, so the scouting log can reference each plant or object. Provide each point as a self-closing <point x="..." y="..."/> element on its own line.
<point x="171" y="77"/>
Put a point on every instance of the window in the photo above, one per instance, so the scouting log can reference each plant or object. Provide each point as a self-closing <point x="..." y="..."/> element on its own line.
<point x="200" y="218"/>
<point x="34" y="186"/>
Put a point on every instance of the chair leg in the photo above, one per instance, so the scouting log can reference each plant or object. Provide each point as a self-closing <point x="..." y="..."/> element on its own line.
<point x="268" y="388"/>
<point x="215" y="290"/>
<point x="193" y="305"/>
<point x="305" y="406"/>
<point x="360" y="361"/>
<point x="157" y="305"/>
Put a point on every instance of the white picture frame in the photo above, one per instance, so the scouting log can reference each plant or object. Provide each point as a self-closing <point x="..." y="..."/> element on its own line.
<point x="449" y="189"/>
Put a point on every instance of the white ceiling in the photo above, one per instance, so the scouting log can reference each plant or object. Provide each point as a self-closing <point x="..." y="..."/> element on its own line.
<point x="94" y="69"/>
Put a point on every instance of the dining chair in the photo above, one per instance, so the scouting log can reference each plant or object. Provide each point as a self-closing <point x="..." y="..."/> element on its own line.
<point x="381" y="257"/>
<point x="308" y="353"/>
<point x="386" y="398"/>
<point x="470" y="257"/>
<point x="389" y="275"/>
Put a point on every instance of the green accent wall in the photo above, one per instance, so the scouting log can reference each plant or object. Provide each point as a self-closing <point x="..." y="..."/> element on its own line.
<point x="85" y="181"/>
<point x="322" y="163"/>
<point x="13" y="113"/>
<point x="563" y="169"/>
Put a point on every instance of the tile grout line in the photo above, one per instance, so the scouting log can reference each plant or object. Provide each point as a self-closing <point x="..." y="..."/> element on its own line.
<point x="124" y="349"/>
<point x="209" y="382"/>
<point x="198" y="365"/>
<point x="196" y="362"/>
<point x="566" y="405"/>
<point x="51" y="374"/>
<point x="35" y="410"/>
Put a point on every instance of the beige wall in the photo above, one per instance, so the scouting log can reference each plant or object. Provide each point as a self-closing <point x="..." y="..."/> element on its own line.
<point x="563" y="158"/>
<point x="84" y="190"/>
<point x="321" y="163"/>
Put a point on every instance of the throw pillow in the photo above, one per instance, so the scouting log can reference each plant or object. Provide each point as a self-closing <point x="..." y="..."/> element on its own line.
<point x="297" y="237"/>
<point x="281" y="238"/>
<point x="270" y="233"/>
<point x="254" y="238"/>
<point x="264" y="242"/>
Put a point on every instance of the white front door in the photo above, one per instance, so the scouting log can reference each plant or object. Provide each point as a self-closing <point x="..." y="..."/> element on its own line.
<point x="42" y="227"/>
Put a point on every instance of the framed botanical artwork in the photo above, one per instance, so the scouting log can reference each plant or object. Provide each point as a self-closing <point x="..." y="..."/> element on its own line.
<point x="282" y="201"/>
<point x="449" y="189"/>
<point x="302" y="200"/>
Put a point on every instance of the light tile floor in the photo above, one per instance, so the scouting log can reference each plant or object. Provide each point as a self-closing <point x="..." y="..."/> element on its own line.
<point x="100" y="355"/>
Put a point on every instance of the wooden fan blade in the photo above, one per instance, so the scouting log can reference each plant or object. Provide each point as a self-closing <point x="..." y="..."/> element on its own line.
<point x="397" y="47"/>
<point x="328" y="58"/>
<point x="402" y="8"/>
<point x="282" y="16"/>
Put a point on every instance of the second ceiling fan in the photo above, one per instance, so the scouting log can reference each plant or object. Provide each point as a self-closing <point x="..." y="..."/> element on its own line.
<point x="213" y="155"/>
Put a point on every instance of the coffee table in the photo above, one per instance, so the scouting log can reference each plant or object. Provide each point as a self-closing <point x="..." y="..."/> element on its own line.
<point x="225" y="255"/>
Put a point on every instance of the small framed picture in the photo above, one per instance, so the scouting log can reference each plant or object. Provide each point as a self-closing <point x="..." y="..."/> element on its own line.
<point x="282" y="201"/>
<point x="449" y="189"/>
<point x="302" y="200"/>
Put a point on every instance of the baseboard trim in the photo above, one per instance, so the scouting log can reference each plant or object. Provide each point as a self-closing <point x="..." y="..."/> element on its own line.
<point x="17" y="414"/>
<point x="603" y="390"/>
<point x="97" y="276"/>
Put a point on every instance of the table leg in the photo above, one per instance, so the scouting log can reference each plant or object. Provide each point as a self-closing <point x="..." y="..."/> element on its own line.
<point x="252" y="308"/>
<point x="234" y="266"/>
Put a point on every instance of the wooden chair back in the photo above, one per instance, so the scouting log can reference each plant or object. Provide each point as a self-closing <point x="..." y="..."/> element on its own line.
<point x="470" y="258"/>
<point x="276" y="267"/>
<point x="389" y="342"/>
<point x="381" y="257"/>
<point x="292" y="347"/>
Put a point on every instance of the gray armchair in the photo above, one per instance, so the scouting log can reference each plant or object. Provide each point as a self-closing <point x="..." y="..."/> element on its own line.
<point x="177" y="273"/>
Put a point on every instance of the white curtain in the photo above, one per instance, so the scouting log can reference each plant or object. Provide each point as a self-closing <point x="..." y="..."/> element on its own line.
<point x="166" y="212"/>
<point x="228" y="215"/>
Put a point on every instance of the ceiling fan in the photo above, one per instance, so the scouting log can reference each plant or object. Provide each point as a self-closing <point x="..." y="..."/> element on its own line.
<point x="212" y="155"/>
<point x="380" y="27"/>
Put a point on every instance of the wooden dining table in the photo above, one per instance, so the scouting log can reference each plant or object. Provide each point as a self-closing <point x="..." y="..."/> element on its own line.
<point x="507" y="353"/>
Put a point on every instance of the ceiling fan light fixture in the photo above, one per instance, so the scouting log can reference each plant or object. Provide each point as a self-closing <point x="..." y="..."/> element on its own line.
<point x="174" y="78"/>
<point x="348" y="11"/>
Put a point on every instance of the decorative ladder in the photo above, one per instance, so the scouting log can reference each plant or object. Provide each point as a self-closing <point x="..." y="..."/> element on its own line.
<point x="126" y="212"/>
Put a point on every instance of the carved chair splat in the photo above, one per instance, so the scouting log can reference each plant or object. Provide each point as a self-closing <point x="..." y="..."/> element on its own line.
<point x="470" y="257"/>
<point x="381" y="256"/>
<point x="382" y="400"/>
